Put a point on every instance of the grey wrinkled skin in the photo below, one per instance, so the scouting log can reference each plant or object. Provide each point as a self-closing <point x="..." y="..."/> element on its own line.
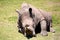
<point x="25" y="21"/>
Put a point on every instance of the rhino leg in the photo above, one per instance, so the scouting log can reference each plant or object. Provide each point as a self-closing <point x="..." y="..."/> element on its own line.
<point x="43" y="28"/>
<point x="51" y="29"/>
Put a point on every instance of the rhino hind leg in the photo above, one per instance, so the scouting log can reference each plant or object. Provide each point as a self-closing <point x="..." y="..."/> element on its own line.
<point x="51" y="29"/>
<point x="48" y="26"/>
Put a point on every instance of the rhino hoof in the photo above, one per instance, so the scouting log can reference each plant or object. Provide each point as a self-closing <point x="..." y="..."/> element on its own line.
<point x="44" y="33"/>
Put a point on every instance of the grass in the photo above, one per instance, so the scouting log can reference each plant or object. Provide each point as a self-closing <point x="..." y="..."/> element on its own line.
<point x="8" y="19"/>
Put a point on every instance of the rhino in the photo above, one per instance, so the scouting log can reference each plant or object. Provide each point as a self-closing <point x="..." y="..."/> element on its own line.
<point x="30" y="16"/>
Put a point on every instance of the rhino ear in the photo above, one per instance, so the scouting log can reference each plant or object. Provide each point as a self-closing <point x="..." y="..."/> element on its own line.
<point x="30" y="11"/>
<point x="18" y="11"/>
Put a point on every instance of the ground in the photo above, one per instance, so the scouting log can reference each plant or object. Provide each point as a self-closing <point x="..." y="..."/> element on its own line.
<point x="8" y="19"/>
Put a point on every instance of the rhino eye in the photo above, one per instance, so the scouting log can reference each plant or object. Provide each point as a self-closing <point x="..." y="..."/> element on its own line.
<point x="27" y="26"/>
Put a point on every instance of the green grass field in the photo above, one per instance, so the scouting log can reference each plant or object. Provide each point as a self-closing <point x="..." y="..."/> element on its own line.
<point x="8" y="19"/>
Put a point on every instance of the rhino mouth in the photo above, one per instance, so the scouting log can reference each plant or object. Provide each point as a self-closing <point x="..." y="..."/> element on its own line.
<point x="29" y="33"/>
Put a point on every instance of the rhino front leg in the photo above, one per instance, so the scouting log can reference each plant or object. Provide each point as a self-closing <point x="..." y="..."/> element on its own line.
<point x="43" y="28"/>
